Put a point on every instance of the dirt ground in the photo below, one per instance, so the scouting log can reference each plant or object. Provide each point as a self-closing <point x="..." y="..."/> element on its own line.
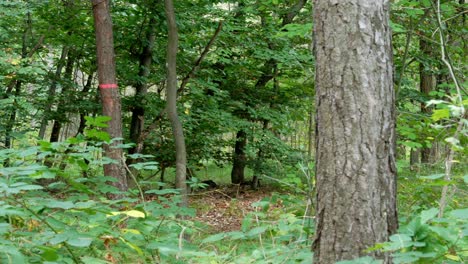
<point x="224" y="208"/>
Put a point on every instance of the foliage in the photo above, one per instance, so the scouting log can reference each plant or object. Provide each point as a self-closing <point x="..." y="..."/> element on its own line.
<point x="427" y="238"/>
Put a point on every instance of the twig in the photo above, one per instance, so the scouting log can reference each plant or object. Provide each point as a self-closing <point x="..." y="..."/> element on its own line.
<point x="136" y="183"/>
<point x="181" y="239"/>
<point x="144" y="134"/>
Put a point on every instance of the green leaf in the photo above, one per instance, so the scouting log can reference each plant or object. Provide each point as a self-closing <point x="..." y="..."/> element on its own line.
<point x="57" y="204"/>
<point x="448" y="235"/>
<point x="163" y="192"/>
<point x="439" y="114"/>
<point x="4" y="228"/>
<point x="427" y="215"/>
<point x="397" y="28"/>
<point x="133" y="246"/>
<point x="214" y="238"/>
<point x="135" y="214"/>
<point x="257" y="230"/>
<point x="433" y="176"/>
<point x="459" y="213"/>
<point x="49" y="253"/>
<point x="80" y="241"/>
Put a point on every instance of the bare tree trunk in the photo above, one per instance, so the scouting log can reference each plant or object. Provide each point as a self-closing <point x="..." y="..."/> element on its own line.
<point x="61" y="115"/>
<point x="310" y="135"/>
<point x="138" y="111"/>
<point x="52" y="92"/>
<point x="355" y="140"/>
<point x="84" y="96"/>
<point x="171" y="107"/>
<point x="239" y="158"/>
<point x="109" y="91"/>
<point x="427" y="83"/>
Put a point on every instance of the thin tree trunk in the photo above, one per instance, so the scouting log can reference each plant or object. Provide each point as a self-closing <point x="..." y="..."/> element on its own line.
<point x="138" y="111"/>
<point x="84" y="95"/>
<point x="239" y="158"/>
<point x="52" y="91"/>
<point x="109" y="91"/>
<point x="427" y="84"/>
<point x="171" y="107"/>
<point x="61" y="114"/>
<point x="355" y="140"/>
<point x="310" y="135"/>
<point x="16" y="84"/>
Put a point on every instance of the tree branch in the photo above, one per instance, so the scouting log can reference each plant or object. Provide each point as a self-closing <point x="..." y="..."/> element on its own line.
<point x="197" y="63"/>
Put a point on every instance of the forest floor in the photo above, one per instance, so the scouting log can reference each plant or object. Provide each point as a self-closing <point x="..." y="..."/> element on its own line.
<point x="224" y="208"/>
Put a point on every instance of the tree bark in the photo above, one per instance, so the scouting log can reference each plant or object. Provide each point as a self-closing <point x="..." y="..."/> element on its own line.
<point x="355" y="140"/>
<point x="171" y="106"/>
<point x="109" y="91"/>
<point x="239" y="159"/>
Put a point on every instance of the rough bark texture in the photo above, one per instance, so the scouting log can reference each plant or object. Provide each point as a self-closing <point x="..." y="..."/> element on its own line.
<point x="355" y="141"/>
<point x="110" y="97"/>
<point x="171" y="107"/>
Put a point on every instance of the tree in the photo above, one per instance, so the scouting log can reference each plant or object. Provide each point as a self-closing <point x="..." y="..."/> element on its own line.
<point x="109" y="91"/>
<point x="355" y="140"/>
<point x="171" y="108"/>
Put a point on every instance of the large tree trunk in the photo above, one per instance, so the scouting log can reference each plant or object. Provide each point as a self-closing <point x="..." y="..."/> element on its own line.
<point x="109" y="91"/>
<point x="239" y="158"/>
<point x="171" y="107"/>
<point x="355" y="140"/>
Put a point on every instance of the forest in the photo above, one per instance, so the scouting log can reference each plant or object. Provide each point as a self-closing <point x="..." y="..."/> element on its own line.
<point x="233" y="131"/>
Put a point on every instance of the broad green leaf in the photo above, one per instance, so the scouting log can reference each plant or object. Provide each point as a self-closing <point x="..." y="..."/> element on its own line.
<point x="256" y="231"/>
<point x="133" y="246"/>
<point x="4" y="228"/>
<point x="427" y="215"/>
<point x="163" y="192"/>
<point x="135" y="214"/>
<point x="131" y="213"/>
<point x="133" y="231"/>
<point x="49" y="253"/>
<point x="397" y="28"/>
<point x="80" y="241"/>
<point x="439" y="114"/>
<point x="460" y="213"/>
<point x="447" y="234"/>
<point x="58" y="204"/>
<point x="453" y="257"/>
<point x="433" y="176"/>
<point x="214" y="238"/>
